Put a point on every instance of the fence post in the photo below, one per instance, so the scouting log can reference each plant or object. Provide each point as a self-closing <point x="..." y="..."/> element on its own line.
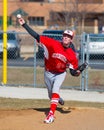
<point x="35" y="63"/>
<point x="83" y="60"/>
<point x="87" y="60"/>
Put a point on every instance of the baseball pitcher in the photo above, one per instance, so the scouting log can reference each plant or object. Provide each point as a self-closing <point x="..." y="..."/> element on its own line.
<point x="58" y="57"/>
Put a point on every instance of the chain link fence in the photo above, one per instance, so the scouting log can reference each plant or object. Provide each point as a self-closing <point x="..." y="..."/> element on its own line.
<point x="26" y="68"/>
<point x="92" y="51"/>
<point x="20" y="61"/>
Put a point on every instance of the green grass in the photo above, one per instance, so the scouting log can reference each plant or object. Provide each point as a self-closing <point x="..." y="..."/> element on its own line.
<point x="18" y="104"/>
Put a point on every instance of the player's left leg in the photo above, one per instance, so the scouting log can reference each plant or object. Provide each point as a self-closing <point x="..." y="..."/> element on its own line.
<point x="58" y="80"/>
<point x="53" y="105"/>
<point x="48" y="78"/>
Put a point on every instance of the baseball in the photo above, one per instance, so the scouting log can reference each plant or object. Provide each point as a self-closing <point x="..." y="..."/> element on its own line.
<point x="18" y="15"/>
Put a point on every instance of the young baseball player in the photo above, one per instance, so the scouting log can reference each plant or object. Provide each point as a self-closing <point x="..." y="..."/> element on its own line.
<point x="58" y="57"/>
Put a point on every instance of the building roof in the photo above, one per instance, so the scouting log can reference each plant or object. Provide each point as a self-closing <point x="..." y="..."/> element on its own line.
<point x="19" y="11"/>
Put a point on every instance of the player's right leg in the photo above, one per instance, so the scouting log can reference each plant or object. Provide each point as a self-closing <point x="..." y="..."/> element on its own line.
<point x="57" y="85"/>
<point x="61" y="101"/>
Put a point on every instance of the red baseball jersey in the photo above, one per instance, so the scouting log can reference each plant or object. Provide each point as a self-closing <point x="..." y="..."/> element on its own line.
<point x="57" y="58"/>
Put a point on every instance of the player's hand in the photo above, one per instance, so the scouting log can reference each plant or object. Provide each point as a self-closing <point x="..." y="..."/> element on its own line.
<point x="78" y="72"/>
<point x="20" y="19"/>
<point x="74" y="72"/>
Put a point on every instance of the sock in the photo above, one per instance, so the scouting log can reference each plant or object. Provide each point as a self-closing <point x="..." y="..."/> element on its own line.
<point x="54" y="102"/>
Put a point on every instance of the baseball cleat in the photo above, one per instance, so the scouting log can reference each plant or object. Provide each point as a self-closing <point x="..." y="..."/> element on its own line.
<point x="49" y="118"/>
<point x="61" y="101"/>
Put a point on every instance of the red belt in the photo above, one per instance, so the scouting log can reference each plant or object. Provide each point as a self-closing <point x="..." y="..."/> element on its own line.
<point x="54" y="72"/>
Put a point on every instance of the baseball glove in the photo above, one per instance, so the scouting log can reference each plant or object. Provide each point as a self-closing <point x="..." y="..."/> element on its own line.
<point x="79" y="70"/>
<point x="82" y="67"/>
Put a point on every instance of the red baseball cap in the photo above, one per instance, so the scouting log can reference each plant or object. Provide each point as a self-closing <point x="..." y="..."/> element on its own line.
<point x="69" y="32"/>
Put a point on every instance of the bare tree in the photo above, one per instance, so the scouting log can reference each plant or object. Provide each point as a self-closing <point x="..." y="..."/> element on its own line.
<point x="68" y="15"/>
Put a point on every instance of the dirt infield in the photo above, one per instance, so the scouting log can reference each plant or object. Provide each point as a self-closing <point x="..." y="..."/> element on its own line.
<point x="71" y="119"/>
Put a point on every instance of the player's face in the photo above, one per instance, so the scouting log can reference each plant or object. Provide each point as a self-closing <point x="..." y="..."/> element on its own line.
<point x="66" y="40"/>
